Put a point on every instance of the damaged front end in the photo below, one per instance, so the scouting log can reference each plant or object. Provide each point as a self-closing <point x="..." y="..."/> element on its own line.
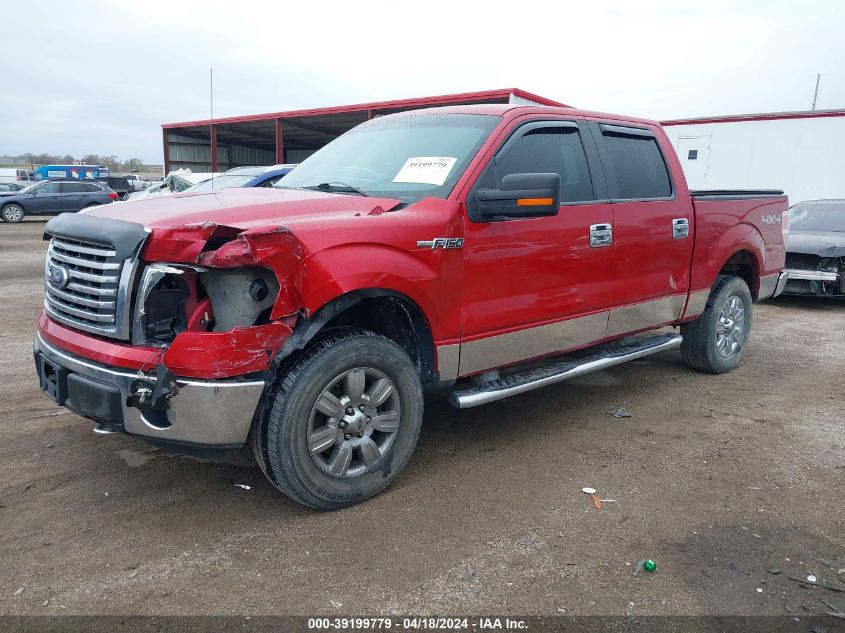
<point x="210" y="308"/>
<point x="811" y="274"/>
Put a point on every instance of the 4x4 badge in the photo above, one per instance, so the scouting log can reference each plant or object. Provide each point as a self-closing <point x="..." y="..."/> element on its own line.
<point x="442" y="242"/>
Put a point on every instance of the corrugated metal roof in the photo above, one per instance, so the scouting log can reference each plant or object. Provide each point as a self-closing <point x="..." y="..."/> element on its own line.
<point x="398" y="104"/>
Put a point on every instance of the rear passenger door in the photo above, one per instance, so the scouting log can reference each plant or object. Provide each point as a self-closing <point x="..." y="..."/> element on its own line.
<point x="536" y="286"/>
<point x="652" y="231"/>
<point x="73" y="196"/>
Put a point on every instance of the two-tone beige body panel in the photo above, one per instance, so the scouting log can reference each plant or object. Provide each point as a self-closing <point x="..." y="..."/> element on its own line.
<point x="478" y="355"/>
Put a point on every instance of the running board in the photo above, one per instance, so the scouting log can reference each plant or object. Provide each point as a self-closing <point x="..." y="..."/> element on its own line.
<point x="560" y="370"/>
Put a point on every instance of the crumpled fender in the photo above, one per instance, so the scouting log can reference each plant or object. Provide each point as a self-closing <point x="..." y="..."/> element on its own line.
<point x="225" y="354"/>
<point x="273" y="247"/>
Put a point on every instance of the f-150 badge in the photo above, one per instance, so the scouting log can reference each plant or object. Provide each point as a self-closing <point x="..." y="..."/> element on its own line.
<point x="442" y="242"/>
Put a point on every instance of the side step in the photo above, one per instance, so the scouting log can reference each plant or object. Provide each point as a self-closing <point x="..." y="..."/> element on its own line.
<point x="560" y="370"/>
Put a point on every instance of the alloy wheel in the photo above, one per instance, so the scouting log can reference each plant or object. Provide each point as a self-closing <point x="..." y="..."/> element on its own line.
<point x="353" y="423"/>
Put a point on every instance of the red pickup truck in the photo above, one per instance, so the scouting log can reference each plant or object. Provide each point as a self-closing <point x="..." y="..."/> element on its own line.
<point x="483" y="250"/>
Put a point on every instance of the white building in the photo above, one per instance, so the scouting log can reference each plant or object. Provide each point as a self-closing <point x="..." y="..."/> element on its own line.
<point x="802" y="153"/>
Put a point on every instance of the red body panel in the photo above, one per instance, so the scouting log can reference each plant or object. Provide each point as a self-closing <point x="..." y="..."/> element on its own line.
<point x="726" y="227"/>
<point x="509" y="275"/>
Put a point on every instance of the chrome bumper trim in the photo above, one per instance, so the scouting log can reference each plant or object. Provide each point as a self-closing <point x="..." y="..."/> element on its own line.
<point x="783" y="277"/>
<point x="209" y="412"/>
<point x="811" y="275"/>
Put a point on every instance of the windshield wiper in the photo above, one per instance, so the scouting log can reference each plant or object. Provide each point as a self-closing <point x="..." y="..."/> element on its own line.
<point x="337" y="187"/>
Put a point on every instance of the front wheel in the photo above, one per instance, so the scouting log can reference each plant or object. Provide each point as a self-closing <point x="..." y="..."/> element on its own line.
<point x="344" y="420"/>
<point x="716" y="341"/>
<point x="12" y="213"/>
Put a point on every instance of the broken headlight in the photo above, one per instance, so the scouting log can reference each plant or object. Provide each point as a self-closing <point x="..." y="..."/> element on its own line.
<point x="174" y="298"/>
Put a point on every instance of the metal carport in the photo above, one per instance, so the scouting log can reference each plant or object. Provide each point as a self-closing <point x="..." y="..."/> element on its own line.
<point x="290" y="137"/>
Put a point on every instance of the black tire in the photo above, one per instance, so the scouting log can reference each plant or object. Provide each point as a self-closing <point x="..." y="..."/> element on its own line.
<point x="705" y="345"/>
<point x="12" y="213"/>
<point x="294" y="466"/>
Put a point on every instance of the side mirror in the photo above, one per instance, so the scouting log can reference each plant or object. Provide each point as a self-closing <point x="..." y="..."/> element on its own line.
<point x="521" y="196"/>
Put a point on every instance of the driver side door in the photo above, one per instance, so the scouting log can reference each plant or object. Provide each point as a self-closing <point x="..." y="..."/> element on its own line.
<point x="45" y="198"/>
<point x="538" y="286"/>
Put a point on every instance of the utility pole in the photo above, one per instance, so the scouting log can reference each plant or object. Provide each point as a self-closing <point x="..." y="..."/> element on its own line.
<point x="816" y="93"/>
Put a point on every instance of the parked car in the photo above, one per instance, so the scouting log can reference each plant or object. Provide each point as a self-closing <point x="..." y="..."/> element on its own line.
<point x="175" y="182"/>
<point x="15" y="175"/>
<point x="50" y="197"/>
<point x="10" y="187"/>
<point x="118" y="184"/>
<point x="815" y="248"/>
<point x="471" y="249"/>
<point x="243" y="177"/>
<point x="138" y="183"/>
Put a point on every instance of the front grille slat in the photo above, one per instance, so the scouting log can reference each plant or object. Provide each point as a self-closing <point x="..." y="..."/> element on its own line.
<point x="56" y="304"/>
<point x="79" y="248"/>
<point x="87" y="293"/>
<point x="93" y="290"/>
<point x="85" y="263"/>
<point x="85" y="301"/>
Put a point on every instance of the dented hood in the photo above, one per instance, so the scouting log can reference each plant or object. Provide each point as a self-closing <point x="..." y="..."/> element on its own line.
<point x="243" y="208"/>
<point x="821" y="243"/>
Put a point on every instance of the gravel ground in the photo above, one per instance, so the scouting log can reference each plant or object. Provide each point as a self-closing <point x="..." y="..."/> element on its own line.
<point x="730" y="483"/>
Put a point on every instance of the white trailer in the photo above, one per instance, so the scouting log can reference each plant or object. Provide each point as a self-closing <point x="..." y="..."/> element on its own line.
<point x="802" y="153"/>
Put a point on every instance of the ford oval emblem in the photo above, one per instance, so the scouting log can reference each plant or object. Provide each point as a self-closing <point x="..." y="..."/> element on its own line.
<point x="59" y="276"/>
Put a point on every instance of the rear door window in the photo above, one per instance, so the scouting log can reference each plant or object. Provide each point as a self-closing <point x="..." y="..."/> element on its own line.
<point x="637" y="169"/>
<point x="73" y="187"/>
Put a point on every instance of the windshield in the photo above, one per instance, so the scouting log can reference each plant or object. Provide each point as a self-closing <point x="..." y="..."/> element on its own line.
<point x="220" y="182"/>
<point x="409" y="157"/>
<point x="822" y="215"/>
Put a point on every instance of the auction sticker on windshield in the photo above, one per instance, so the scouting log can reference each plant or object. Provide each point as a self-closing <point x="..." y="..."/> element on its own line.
<point x="430" y="170"/>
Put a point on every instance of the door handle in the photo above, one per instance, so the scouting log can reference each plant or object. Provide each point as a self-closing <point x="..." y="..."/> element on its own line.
<point x="601" y="235"/>
<point x="680" y="228"/>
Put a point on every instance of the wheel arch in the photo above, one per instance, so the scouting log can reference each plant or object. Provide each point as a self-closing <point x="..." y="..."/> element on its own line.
<point x="384" y="311"/>
<point x="744" y="264"/>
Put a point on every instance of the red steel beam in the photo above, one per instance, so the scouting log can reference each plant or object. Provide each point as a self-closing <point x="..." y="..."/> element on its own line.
<point x="280" y="147"/>
<point x="213" y="142"/>
<point x="166" y="141"/>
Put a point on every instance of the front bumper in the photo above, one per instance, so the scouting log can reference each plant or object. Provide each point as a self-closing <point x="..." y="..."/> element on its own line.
<point x="205" y="413"/>
<point x="812" y="275"/>
<point x="814" y="282"/>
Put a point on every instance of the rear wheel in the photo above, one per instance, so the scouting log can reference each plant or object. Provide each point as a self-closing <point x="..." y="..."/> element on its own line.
<point x="12" y="213"/>
<point x="344" y="420"/>
<point x="716" y="341"/>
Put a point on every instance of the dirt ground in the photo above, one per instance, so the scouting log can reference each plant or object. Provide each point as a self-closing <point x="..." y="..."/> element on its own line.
<point x="730" y="483"/>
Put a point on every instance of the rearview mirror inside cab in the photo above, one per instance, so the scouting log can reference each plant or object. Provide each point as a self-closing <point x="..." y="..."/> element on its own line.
<point x="521" y="196"/>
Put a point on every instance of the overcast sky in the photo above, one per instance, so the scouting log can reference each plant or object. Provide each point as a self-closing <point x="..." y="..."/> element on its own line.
<point x="92" y="77"/>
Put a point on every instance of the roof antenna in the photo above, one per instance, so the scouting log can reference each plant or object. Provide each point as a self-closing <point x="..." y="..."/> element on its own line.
<point x="211" y="138"/>
<point x="816" y="93"/>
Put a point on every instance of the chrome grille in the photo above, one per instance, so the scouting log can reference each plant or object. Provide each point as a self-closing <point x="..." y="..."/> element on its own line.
<point x="86" y="286"/>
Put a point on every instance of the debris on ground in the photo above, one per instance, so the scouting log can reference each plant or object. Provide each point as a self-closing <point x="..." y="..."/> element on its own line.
<point x="821" y="584"/>
<point x="336" y="604"/>
<point x="468" y="575"/>
<point x="244" y="486"/>
<point x="592" y="492"/>
<point x="620" y="412"/>
<point x="525" y="542"/>
<point x="647" y="564"/>
<point x="774" y="571"/>
<point x="18" y="592"/>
